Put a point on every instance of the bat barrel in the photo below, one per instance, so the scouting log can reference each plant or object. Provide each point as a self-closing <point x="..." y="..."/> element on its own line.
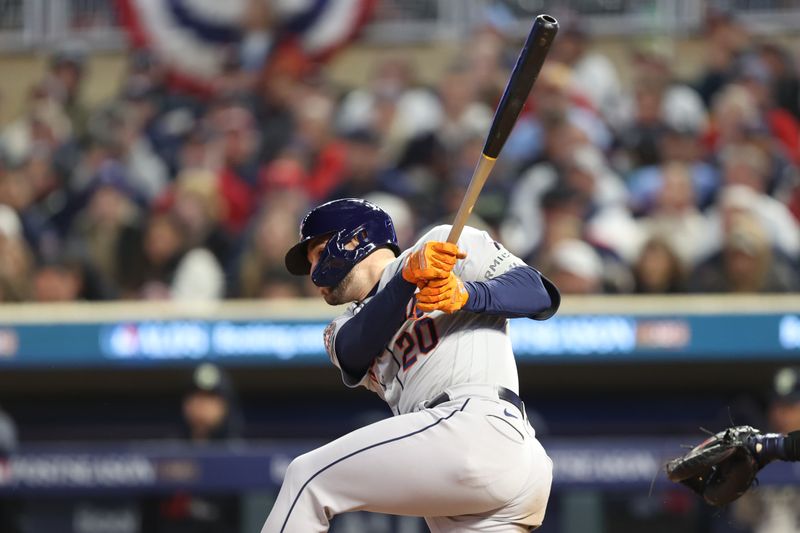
<point x="525" y="72"/>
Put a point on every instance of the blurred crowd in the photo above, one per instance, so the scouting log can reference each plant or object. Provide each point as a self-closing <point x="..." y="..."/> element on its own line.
<point x="658" y="185"/>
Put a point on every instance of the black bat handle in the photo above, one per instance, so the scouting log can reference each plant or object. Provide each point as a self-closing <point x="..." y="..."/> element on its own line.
<point x="529" y="63"/>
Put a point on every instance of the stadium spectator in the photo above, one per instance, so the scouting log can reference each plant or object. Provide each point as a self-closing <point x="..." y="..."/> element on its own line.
<point x="593" y="74"/>
<point x="156" y="262"/>
<point x="575" y="267"/>
<point x="675" y="216"/>
<point x="44" y="124"/>
<point x="60" y="281"/>
<point x="197" y="205"/>
<point x="728" y="42"/>
<point x="784" y="82"/>
<point x="16" y="263"/>
<point x="648" y="157"/>
<point x="110" y="212"/>
<point x="261" y="269"/>
<point x="393" y="105"/>
<point x="746" y="263"/>
<point x="147" y="172"/>
<point x="659" y="269"/>
<point x="239" y="173"/>
<point x="362" y="166"/>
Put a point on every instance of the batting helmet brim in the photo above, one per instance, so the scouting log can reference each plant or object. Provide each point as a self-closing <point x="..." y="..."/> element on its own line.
<point x="297" y="259"/>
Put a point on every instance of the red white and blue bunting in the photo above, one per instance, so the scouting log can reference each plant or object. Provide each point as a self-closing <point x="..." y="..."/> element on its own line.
<point x="194" y="38"/>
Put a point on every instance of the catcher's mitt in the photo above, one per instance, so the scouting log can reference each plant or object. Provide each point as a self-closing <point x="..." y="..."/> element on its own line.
<point x="722" y="467"/>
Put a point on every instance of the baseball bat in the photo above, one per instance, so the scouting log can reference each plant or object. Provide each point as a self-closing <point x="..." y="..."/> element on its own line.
<point x="525" y="72"/>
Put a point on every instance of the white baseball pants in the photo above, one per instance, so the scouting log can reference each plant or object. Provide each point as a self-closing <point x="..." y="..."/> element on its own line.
<point x="471" y="464"/>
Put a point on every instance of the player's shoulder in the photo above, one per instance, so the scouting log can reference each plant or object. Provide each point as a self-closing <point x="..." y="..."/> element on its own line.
<point x="440" y="233"/>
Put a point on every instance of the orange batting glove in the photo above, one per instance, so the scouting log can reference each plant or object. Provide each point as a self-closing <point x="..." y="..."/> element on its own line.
<point x="448" y="295"/>
<point x="434" y="261"/>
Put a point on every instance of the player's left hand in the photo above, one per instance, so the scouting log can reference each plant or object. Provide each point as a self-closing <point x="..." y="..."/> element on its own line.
<point x="448" y="295"/>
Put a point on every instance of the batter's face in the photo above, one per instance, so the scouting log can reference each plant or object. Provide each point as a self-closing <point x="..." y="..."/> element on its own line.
<point x="341" y="292"/>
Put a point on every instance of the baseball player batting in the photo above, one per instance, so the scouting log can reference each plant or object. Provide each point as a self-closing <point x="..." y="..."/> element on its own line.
<point x="427" y="330"/>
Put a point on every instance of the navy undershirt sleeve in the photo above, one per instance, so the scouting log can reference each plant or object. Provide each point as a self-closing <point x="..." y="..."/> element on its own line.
<point x="363" y="337"/>
<point x="520" y="292"/>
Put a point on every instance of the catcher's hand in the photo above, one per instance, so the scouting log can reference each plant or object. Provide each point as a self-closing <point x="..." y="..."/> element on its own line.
<point x="448" y="295"/>
<point x="724" y="466"/>
<point x="435" y="260"/>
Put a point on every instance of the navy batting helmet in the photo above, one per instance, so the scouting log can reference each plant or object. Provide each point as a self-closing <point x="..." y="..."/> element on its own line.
<point x="343" y="220"/>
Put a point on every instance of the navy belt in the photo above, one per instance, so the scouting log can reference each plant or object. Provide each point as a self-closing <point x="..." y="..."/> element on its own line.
<point x="502" y="393"/>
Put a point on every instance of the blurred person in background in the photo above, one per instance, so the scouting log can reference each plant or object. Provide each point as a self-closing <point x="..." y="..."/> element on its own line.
<point x="9" y="514"/>
<point x="676" y="147"/>
<point x="563" y="211"/>
<point x="238" y="175"/>
<point x="462" y="113"/>
<point x="326" y="158"/>
<point x="745" y="170"/>
<point x="658" y="104"/>
<point x="157" y="262"/>
<point x="16" y="263"/>
<point x="675" y="216"/>
<point x="578" y="166"/>
<point x="400" y="213"/>
<point x="44" y="123"/>
<point x="58" y="281"/>
<point x="492" y="203"/>
<point x="554" y="102"/>
<point x="659" y="269"/>
<point x="363" y="166"/>
<point x="210" y="407"/>
<point x="27" y="214"/>
<point x="393" y="103"/>
<point x="489" y="57"/>
<point x="785" y="130"/>
<point x="593" y="74"/>
<point x="420" y="177"/>
<point x="728" y="43"/>
<point x="274" y="105"/>
<point x="746" y="263"/>
<point x="211" y="415"/>
<point x="110" y="212"/>
<point x="196" y="203"/>
<point x="66" y="76"/>
<point x="784" y="81"/>
<point x="147" y="172"/>
<point x="576" y="266"/>
<point x="273" y="230"/>
<point x="775" y="509"/>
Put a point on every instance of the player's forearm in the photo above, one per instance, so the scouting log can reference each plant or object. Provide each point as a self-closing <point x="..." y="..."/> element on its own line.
<point x="773" y="446"/>
<point x="364" y="336"/>
<point x="520" y="292"/>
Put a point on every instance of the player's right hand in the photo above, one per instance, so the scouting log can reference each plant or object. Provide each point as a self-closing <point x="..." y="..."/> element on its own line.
<point x="448" y="295"/>
<point x="435" y="260"/>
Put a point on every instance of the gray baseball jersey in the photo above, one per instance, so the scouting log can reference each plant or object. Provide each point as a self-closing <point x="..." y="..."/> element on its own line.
<point x="472" y="463"/>
<point x="439" y="350"/>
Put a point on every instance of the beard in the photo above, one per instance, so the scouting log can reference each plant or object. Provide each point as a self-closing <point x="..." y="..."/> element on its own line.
<point x="338" y="294"/>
